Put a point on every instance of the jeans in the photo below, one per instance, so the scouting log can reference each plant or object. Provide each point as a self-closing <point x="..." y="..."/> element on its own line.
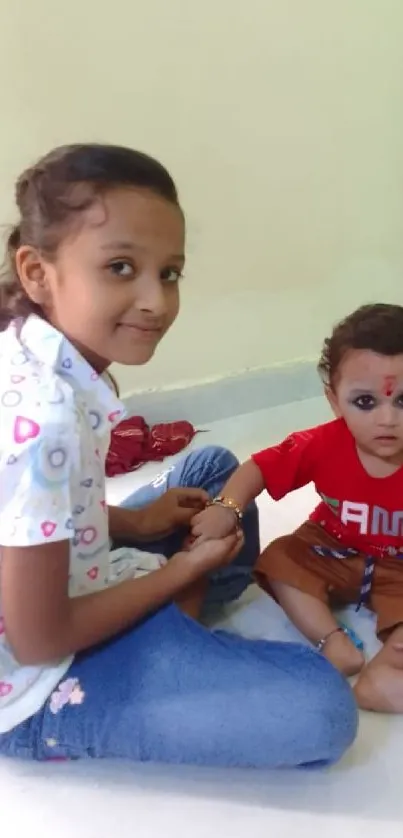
<point x="206" y="468"/>
<point x="171" y="691"/>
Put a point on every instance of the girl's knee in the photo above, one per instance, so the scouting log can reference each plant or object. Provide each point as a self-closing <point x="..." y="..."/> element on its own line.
<point x="333" y="709"/>
<point x="222" y="458"/>
<point x="209" y="467"/>
<point x="315" y="713"/>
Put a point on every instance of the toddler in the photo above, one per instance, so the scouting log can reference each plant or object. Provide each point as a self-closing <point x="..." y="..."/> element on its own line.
<point x="351" y="548"/>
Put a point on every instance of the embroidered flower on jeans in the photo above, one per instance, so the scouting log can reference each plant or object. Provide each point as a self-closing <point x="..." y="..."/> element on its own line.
<point x="68" y="692"/>
<point x="77" y="696"/>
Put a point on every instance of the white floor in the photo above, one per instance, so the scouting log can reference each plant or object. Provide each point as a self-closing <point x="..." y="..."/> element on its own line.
<point x="361" y="797"/>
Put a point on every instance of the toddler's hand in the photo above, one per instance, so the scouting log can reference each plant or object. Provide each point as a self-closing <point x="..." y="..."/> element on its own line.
<point x="214" y="522"/>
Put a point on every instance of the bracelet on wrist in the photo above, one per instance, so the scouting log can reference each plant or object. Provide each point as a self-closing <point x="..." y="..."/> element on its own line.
<point x="228" y="503"/>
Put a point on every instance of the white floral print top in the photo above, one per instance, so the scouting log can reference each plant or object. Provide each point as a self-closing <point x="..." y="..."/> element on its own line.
<point x="56" y="416"/>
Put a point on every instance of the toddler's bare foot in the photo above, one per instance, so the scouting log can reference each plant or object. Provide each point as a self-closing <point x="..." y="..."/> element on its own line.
<point x="342" y="653"/>
<point x="380" y="685"/>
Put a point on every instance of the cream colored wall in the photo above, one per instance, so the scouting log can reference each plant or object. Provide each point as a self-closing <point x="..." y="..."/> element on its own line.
<point x="282" y="121"/>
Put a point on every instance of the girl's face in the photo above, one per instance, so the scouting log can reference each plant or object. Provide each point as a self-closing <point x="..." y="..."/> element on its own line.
<point x="368" y="394"/>
<point x="113" y="287"/>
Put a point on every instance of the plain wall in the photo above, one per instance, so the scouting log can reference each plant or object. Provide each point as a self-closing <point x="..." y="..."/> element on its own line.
<point x="282" y="122"/>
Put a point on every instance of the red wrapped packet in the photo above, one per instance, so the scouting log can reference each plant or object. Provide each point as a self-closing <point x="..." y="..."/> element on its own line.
<point x="134" y="443"/>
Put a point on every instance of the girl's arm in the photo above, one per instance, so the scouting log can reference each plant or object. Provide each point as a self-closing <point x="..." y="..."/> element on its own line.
<point x="44" y="624"/>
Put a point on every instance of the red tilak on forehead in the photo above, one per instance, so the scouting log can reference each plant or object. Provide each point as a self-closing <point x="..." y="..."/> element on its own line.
<point x="389" y="384"/>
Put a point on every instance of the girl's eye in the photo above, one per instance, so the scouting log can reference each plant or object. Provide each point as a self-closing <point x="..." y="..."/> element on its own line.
<point x="171" y="275"/>
<point x="364" y="402"/>
<point x="399" y="400"/>
<point x="121" y="267"/>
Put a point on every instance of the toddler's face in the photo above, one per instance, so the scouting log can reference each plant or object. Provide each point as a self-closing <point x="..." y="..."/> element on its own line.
<point x="368" y="394"/>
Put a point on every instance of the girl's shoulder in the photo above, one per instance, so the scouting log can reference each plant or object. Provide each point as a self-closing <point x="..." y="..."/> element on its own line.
<point x="35" y="402"/>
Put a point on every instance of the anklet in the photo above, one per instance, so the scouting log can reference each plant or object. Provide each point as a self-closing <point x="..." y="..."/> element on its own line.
<point x="322" y="643"/>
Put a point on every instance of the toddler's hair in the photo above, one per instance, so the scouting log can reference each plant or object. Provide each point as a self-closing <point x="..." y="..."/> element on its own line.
<point x="60" y="186"/>
<point x="378" y="327"/>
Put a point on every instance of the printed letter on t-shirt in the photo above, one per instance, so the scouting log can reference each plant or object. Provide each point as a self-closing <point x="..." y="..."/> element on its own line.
<point x="355" y="513"/>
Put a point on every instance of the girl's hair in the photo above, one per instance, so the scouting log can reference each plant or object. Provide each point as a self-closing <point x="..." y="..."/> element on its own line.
<point x="378" y="327"/>
<point x="59" y="187"/>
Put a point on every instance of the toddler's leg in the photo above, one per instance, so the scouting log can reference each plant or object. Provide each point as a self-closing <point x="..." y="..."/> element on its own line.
<point x="314" y="620"/>
<point x="380" y="686"/>
<point x="301" y="579"/>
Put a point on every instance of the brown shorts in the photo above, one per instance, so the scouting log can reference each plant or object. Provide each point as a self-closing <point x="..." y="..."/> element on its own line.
<point x="291" y="560"/>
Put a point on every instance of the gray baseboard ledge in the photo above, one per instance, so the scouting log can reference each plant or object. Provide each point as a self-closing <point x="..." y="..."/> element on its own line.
<point x="234" y="395"/>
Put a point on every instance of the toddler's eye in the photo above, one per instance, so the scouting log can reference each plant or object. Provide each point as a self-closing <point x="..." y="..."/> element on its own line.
<point x="171" y="275"/>
<point x="399" y="400"/>
<point x="366" y="402"/>
<point x="121" y="268"/>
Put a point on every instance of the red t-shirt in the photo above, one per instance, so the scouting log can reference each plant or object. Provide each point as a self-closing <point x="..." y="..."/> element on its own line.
<point x="360" y="510"/>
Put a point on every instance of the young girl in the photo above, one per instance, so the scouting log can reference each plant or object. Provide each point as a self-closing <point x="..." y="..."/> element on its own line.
<point x="351" y="549"/>
<point x="95" y="660"/>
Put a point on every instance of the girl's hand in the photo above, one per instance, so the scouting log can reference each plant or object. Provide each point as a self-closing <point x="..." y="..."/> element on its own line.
<point x="205" y="557"/>
<point x="173" y="510"/>
<point x="213" y="522"/>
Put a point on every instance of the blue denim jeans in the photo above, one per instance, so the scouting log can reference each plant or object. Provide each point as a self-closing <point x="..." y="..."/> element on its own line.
<point x="171" y="691"/>
<point x="206" y="468"/>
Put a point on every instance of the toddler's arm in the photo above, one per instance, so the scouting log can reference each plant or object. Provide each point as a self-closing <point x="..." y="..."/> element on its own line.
<point x="218" y="520"/>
